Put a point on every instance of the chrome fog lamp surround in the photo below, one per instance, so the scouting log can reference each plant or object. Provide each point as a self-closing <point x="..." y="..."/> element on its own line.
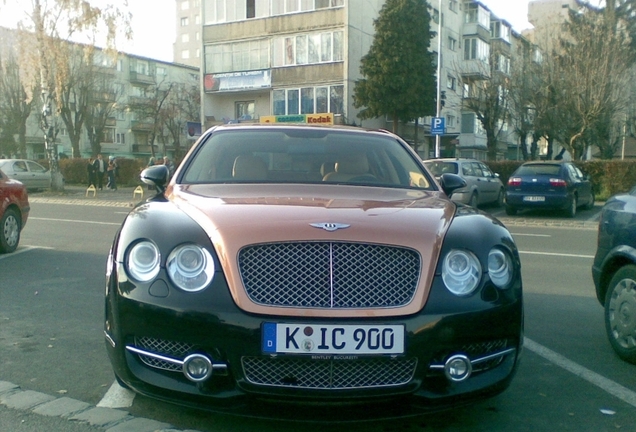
<point x="499" y="268"/>
<point x="143" y="261"/>
<point x="190" y="267"/>
<point x="197" y="367"/>
<point x="458" y="368"/>
<point x="461" y="272"/>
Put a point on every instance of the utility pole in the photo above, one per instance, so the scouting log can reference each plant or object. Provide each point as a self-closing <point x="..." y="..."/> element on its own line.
<point x="439" y="73"/>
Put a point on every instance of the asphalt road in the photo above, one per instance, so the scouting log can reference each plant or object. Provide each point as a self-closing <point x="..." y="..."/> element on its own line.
<point x="51" y="341"/>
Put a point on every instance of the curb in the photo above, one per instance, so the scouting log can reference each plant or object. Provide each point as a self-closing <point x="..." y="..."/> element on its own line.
<point x="108" y="419"/>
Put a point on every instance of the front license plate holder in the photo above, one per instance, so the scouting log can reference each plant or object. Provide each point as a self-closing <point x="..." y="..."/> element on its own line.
<point x="330" y="339"/>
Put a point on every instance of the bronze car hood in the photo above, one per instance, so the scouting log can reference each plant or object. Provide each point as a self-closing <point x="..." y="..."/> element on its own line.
<point x="238" y="215"/>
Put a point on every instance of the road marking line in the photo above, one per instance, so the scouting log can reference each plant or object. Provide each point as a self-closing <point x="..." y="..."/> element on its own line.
<point x="74" y="220"/>
<point x="615" y="389"/>
<point x="117" y="397"/>
<point x="557" y="254"/>
<point x="23" y="249"/>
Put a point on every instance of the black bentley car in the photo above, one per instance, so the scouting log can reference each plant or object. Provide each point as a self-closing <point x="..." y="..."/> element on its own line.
<point x="303" y="271"/>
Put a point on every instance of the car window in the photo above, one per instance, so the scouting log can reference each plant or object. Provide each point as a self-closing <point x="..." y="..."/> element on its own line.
<point x="35" y="167"/>
<point x="298" y="156"/>
<point x="20" y="166"/>
<point x="467" y="169"/>
<point x="477" y="169"/>
<point x="486" y="170"/>
<point x="441" y="167"/>
<point x="538" y="169"/>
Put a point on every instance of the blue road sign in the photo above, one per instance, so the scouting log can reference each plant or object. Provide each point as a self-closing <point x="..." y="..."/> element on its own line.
<point x="438" y="125"/>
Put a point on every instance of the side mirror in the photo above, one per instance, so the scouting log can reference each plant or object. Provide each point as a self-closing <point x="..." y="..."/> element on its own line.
<point x="451" y="182"/>
<point x="157" y="176"/>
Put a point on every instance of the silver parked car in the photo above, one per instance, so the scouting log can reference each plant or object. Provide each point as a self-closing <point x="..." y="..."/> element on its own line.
<point x="482" y="185"/>
<point x="32" y="174"/>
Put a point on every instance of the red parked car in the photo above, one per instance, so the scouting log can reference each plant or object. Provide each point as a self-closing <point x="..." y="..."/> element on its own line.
<point x="14" y="211"/>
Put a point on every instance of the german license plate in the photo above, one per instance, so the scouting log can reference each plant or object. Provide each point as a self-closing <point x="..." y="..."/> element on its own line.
<point x="534" y="198"/>
<point x="332" y="339"/>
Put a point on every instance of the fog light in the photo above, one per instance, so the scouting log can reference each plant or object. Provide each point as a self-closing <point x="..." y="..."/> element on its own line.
<point x="458" y="368"/>
<point x="197" y="367"/>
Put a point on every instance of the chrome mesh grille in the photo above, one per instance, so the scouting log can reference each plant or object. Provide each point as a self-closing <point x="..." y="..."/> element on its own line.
<point x="166" y="348"/>
<point x="329" y="275"/>
<point x="328" y="374"/>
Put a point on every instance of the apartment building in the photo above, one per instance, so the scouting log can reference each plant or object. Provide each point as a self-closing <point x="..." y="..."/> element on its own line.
<point x="299" y="57"/>
<point x="187" y="45"/>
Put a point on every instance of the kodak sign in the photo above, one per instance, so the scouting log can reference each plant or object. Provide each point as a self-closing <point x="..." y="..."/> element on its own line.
<point x="323" y="118"/>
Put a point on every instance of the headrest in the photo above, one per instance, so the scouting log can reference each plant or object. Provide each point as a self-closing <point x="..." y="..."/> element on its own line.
<point x="353" y="164"/>
<point x="247" y="167"/>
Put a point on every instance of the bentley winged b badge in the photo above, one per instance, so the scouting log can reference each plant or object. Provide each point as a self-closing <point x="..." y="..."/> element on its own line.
<point x="330" y="226"/>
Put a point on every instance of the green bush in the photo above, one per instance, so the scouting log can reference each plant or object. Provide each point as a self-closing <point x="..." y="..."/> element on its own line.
<point x="75" y="171"/>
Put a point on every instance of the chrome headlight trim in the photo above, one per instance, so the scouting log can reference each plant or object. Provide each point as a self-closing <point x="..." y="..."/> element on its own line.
<point x="461" y="272"/>
<point x="143" y="261"/>
<point x="500" y="268"/>
<point x="190" y="267"/>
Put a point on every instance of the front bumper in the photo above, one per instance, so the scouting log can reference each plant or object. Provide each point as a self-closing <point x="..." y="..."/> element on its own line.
<point x="149" y="336"/>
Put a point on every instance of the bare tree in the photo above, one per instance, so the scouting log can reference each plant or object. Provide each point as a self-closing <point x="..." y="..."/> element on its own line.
<point x="52" y="25"/>
<point x="149" y="110"/>
<point x="182" y="106"/>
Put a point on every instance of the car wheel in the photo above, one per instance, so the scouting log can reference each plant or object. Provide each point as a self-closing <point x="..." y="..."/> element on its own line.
<point x="500" y="198"/>
<point x="473" y="200"/>
<point x="571" y="211"/>
<point x="511" y="211"/>
<point x="590" y="205"/>
<point x="620" y="313"/>
<point x="9" y="231"/>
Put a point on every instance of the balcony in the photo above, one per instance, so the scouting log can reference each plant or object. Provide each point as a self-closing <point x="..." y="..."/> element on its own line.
<point x="475" y="69"/>
<point x="137" y="78"/>
<point x="138" y="125"/>
<point x="104" y="96"/>
<point x="111" y="122"/>
<point x="144" y="148"/>
<point x="138" y="100"/>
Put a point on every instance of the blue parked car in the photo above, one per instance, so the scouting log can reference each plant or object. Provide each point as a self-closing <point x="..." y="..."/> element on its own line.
<point x="614" y="272"/>
<point x="550" y="185"/>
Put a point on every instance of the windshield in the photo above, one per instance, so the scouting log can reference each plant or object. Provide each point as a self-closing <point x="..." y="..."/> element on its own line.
<point x="304" y="156"/>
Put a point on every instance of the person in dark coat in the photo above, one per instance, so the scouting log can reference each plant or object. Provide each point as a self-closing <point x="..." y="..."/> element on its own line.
<point x="90" y="170"/>
<point x="100" y="170"/>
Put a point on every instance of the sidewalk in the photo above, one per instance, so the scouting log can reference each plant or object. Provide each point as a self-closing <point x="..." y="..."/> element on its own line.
<point x="127" y="196"/>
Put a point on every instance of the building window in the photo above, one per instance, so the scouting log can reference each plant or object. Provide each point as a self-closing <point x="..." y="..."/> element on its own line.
<point x="450" y="121"/>
<point x="161" y="71"/>
<point x="244" y="110"/>
<point x="251" y="9"/>
<point x="476" y="49"/>
<point x="185" y="38"/>
<point x="184" y="22"/>
<point x="435" y="16"/>
<point x="502" y="64"/>
<point x="142" y="67"/>
<point x="451" y="82"/>
<point x="452" y="43"/>
<point x="452" y="5"/>
<point x="239" y="56"/>
<point x="499" y="30"/>
<point x="312" y="100"/>
<point x="308" y="49"/>
<point x="120" y="138"/>
<point x="475" y="13"/>
<point x="185" y="5"/>
<point x="185" y="54"/>
<point x="197" y="19"/>
<point x="120" y="65"/>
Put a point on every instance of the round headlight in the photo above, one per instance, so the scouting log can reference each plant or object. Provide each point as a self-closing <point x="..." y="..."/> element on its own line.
<point x="190" y="267"/>
<point x="499" y="268"/>
<point x="461" y="272"/>
<point x="143" y="261"/>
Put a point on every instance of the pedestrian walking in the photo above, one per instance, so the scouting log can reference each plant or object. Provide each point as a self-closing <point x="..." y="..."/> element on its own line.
<point x="112" y="173"/>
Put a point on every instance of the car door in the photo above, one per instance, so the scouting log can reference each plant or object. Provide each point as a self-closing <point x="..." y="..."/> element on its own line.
<point x="582" y="184"/>
<point x="489" y="183"/>
<point x="40" y="176"/>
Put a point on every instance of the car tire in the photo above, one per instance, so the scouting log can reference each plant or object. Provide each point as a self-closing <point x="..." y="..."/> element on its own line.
<point x="511" y="211"/>
<point x="500" y="198"/>
<point x="473" y="200"/>
<point x="620" y="313"/>
<point x="9" y="231"/>
<point x="571" y="210"/>
<point x="590" y="205"/>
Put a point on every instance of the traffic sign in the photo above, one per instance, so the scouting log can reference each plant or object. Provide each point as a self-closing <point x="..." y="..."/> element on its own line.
<point x="438" y="125"/>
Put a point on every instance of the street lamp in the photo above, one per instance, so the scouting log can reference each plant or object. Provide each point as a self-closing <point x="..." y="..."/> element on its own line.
<point x="439" y="73"/>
